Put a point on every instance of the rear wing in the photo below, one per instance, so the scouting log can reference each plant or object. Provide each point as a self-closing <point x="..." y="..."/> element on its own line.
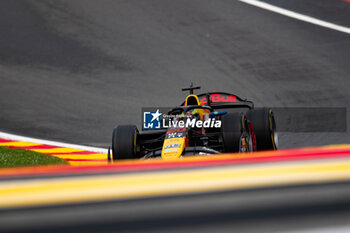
<point x="218" y="100"/>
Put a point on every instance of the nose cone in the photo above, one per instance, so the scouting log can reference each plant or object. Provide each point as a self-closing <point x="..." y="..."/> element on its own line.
<point x="173" y="148"/>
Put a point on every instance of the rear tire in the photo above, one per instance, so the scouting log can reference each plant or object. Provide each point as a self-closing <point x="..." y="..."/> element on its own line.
<point x="232" y="130"/>
<point x="124" y="141"/>
<point x="264" y="128"/>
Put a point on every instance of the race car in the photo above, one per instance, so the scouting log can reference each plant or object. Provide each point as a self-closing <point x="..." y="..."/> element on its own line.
<point x="204" y="124"/>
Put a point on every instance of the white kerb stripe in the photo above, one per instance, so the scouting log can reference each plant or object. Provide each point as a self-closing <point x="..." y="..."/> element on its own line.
<point x="14" y="137"/>
<point x="298" y="16"/>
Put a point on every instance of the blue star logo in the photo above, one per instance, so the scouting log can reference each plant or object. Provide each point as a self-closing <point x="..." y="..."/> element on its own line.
<point x="151" y="120"/>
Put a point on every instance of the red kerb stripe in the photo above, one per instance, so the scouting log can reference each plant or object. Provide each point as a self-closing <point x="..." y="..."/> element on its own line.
<point x="77" y="153"/>
<point x="34" y="147"/>
<point x="87" y="160"/>
<point x="5" y="140"/>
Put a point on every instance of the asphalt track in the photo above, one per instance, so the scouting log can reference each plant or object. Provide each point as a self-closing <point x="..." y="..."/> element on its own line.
<point x="71" y="70"/>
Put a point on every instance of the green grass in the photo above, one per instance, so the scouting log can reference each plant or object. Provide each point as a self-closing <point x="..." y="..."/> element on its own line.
<point x="20" y="157"/>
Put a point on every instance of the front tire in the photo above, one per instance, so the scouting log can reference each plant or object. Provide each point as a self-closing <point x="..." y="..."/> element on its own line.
<point x="264" y="124"/>
<point x="124" y="141"/>
<point x="232" y="129"/>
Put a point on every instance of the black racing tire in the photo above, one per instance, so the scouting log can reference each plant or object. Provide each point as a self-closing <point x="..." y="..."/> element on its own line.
<point x="124" y="142"/>
<point x="264" y="124"/>
<point x="232" y="130"/>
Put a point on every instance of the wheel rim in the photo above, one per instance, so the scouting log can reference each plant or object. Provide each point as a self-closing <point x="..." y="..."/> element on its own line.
<point x="275" y="139"/>
<point x="250" y="143"/>
<point x="274" y="134"/>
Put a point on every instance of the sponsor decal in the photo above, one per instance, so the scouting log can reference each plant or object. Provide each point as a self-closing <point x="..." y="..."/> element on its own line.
<point x="216" y="98"/>
<point x="171" y="150"/>
<point x="172" y="146"/>
<point x="174" y="141"/>
<point x="175" y="135"/>
<point x="176" y="130"/>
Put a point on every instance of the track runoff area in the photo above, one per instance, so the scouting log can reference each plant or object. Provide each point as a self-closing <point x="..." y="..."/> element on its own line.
<point x="96" y="180"/>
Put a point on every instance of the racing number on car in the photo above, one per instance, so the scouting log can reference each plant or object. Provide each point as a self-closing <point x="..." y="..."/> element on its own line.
<point x="176" y="133"/>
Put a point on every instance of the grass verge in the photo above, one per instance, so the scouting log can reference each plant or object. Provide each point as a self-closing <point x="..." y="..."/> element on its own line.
<point x="21" y="157"/>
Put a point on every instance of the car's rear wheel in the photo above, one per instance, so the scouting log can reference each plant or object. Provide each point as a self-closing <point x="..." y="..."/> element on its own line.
<point x="233" y="126"/>
<point x="124" y="142"/>
<point x="264" y="124"/>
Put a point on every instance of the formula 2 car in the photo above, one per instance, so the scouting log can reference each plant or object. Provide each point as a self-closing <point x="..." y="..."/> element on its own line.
<point x="204" y="124"/>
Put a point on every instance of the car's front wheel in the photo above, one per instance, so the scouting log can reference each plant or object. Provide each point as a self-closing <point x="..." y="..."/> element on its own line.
<point x="234" y="132"/>
<point x="124" y="142"/>
<point x="264" y="124"/>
